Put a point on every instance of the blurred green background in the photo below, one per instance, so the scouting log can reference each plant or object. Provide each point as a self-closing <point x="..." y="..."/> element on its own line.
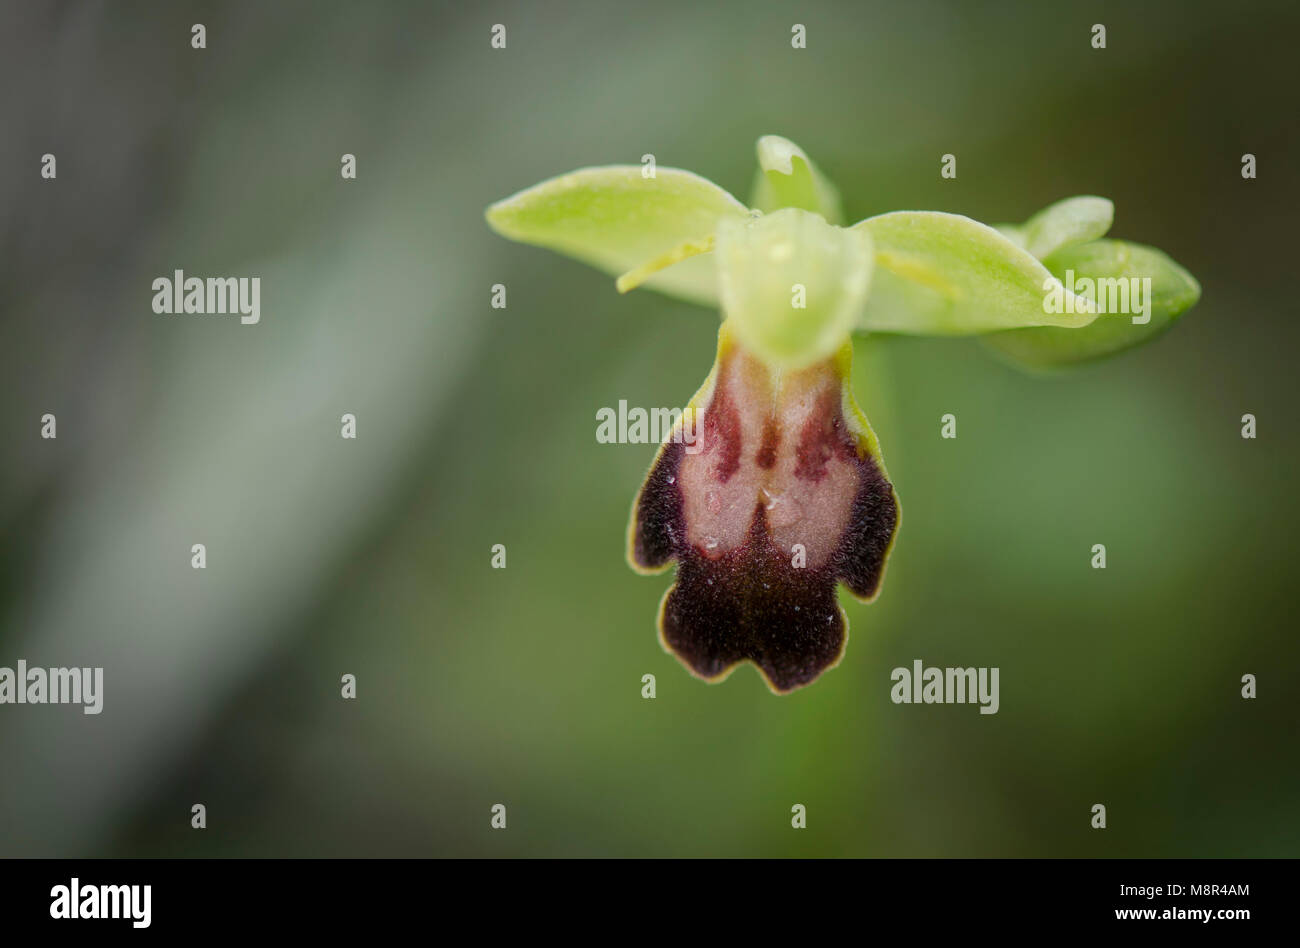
<point x="477" y="426"/>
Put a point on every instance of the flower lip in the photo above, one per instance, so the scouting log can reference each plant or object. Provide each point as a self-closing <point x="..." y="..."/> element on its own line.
<point x="787" y="497"/>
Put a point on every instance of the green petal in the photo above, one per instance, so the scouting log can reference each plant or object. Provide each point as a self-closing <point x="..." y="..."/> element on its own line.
<point x="1173" y="291"/>
<point x="792" y="285"/>
<point x="948" y="275"/>
<point x="788" y="178"/>
<point x="1072" y="221"/>
<point x="616" y="219"/>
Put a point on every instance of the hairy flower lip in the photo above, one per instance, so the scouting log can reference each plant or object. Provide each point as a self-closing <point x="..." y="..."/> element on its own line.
<point x="739" y="594"/>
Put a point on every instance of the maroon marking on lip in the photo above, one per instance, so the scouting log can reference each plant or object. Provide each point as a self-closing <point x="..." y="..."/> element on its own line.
<point x="660" y="533"/>
<point x="722" y="429"/>
<point x="819" y="439"/>
<point x="859" y="562"/>
<point x="766" y="457"/>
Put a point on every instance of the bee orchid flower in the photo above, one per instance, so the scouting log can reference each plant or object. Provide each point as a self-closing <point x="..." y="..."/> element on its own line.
<point x="780" y="493"/>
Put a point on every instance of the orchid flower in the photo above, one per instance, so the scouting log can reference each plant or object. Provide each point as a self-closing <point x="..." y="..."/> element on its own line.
<point x="780" y="492"/>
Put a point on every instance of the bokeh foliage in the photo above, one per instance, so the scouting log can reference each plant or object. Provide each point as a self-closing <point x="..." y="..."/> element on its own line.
<point x="476" y="426"/>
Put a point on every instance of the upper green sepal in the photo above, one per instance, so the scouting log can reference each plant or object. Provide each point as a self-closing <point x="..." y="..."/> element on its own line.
<point x="787" y="177"/>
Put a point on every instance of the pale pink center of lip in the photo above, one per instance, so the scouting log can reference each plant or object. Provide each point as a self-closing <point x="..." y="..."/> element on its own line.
<point x="775" y="449"/>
